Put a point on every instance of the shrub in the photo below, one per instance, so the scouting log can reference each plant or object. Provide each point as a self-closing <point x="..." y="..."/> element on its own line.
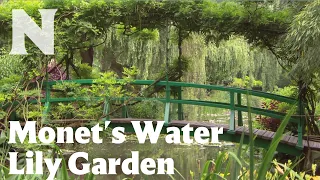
<point x="146" y="109"/>
<point x="273" y="105"/>
<point x="247" y="82"/>
<point x="84" y="72"/>
<point x="269" y="122"/>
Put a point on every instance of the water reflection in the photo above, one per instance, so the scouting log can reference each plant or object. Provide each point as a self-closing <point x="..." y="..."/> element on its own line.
<point x="186" y="157"/>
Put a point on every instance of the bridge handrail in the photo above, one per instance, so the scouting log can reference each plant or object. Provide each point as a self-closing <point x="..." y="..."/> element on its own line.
<point x="233" y="106"/>
<point x="192" y="85"/>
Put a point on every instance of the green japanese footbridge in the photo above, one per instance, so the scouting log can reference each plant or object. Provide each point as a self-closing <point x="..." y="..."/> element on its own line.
<point x="290" y="144"/>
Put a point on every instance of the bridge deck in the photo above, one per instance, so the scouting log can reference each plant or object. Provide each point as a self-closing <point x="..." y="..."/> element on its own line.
<point x="264" y="134"/>
<point x="314" y="143"/>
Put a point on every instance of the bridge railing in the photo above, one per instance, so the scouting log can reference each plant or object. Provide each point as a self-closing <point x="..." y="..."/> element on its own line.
<point x="234" y="105"/>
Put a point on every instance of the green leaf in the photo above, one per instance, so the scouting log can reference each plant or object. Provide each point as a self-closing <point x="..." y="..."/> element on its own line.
<point x="2" y="137"/>
<point x="273" y="146"/>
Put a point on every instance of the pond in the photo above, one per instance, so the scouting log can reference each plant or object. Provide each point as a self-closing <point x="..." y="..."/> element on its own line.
<point x="186" y="158"/>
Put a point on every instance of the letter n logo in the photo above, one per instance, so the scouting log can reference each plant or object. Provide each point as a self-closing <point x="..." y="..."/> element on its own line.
<point x="22" y="24"/>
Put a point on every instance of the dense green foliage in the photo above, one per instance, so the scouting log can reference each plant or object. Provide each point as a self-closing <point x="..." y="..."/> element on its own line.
<point x="217" y="20"/>
<point x="303" y="39"/>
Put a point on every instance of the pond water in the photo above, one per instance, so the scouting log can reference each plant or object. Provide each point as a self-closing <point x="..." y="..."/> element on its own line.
<point x="186" y="157"/>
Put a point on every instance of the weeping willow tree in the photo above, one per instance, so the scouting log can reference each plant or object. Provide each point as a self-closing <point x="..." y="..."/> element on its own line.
<point x="237" y="58"/>
<point x="142" y="49"/>
<point x="209" y="63"/>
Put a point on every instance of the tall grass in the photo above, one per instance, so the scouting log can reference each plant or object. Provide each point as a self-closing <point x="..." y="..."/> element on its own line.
<point x="243" y="170"/>
<point x="62" y="173"/>
<point x="266" y="163"/>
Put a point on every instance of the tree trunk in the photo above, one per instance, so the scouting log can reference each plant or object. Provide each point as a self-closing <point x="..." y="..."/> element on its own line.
<point x="180" y="39"/>
<point x="87" y="56"/>
<point x="308" y="98"/>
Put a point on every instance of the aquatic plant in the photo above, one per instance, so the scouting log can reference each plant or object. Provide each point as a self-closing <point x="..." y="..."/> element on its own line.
<point x="269" y="169"/>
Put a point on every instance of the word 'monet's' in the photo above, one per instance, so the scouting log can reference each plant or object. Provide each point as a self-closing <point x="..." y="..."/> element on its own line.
<point x="82" y="135"/>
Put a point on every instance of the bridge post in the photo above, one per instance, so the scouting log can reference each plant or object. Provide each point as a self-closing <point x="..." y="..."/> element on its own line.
<point x="167" y="106"/>
<point x="44" y="117"/>
<point x="180" y="111"/>
<point x="124" y="108"/>
<point x="106" y="109"/>
<point x="167" y="114"/>
<point x="232" y="114"/>
<point x="240" y="122"/>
